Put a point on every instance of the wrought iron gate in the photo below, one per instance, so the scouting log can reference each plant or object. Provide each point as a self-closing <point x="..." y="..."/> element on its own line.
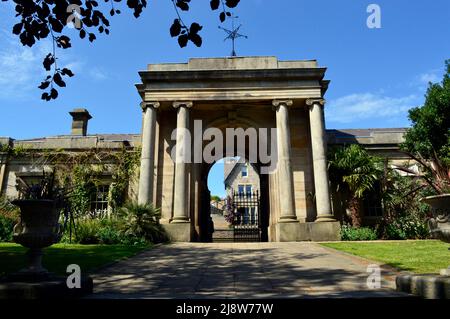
<point x="247" y="217"/>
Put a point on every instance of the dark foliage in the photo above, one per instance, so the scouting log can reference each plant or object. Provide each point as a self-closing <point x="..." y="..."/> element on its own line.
<point x="40" y="19"/>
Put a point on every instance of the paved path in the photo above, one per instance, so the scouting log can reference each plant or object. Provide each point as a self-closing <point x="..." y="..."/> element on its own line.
<point x="239" y="270"/>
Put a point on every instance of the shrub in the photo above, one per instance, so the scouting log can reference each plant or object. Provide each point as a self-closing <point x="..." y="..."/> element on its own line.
<point x="134" y="225"/>
<point x="6" y="228"/>
<point x="9" y="215"/>
<point x="142" y="221"/>
<point x="361" y="233"/>
<point x="87" y="231"/>
<point x="95" y="231"/>
<point x="404" y="227"/>
<point x="8" y="210"/>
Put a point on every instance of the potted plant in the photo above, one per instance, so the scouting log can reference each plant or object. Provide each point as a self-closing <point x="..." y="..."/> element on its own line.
<point x="428" y="143"/>
<point x="38" y="227"/>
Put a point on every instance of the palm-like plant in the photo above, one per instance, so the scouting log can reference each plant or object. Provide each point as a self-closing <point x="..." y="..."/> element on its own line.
<point x="142" y="221"/>
<point x="352" y="167"/>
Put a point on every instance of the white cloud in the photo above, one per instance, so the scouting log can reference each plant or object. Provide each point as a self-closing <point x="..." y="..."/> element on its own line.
<point x="356" y="107"/>
<point x="20" y="66"/>
<point x="432" y="76"/>
<point x="21" y="69"/>
<point x="98" y="74"/>
<point x="422" y="80"/>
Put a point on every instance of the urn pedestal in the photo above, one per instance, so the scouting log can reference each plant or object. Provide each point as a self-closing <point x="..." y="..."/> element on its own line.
<point x="440" y="223"/>
<point x="432" y="286"/>
<point x="39" y="228"/>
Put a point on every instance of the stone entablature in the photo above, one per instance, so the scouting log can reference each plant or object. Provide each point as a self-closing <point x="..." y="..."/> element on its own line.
<point x="232" y="79"/>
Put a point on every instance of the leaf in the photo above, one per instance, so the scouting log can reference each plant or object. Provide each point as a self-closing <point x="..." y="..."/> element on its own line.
<point x="53" y="94"/>
<point x="215" y="4"/>
<point x="222" y="16"/>
<point x="17" y="28"/>
<point x="92" y="37"/>
<point x="175" y="29"/>
<point x="45" y="96"/>
<point x="82" y="34"/>
<point x="196" y="39"/>
<point x="58" y="80"/>
<point x="57" y="26"/>
<point x="183" y="40"/>
<point x="67" y="72"/>
<point x="182" y="4"/>
<point x="44" y="85"/>
<point x="195" y="28"/>
<point x="231" y="3"/>
<point x="48" y="62"/>
<point x="64" y="42"/>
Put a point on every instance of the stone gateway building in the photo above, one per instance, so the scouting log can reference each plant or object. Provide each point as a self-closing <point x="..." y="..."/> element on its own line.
<point x="182" y="102"/>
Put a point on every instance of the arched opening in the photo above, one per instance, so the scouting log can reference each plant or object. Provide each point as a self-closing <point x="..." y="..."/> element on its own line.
<point x="236" y="198"/>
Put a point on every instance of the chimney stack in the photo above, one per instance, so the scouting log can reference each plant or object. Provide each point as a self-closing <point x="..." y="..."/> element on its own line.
<point x="80" y="118"/>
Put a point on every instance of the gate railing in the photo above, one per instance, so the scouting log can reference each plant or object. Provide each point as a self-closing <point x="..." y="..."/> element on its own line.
<point x="246" y="223"/>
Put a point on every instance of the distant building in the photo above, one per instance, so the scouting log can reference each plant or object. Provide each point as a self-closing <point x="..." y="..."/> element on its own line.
<point x="240" y="177"/>
<point x="242" y="183"/>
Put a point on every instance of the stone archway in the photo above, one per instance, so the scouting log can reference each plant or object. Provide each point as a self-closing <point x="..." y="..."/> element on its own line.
<point x="204" y="231"/>
<point x="203" y="196"/>
<point x="259" y="93"/>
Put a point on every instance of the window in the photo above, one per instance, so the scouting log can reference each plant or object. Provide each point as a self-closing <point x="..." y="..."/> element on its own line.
<point x="249" y="216"/>
<point x="248" y="189"/>
<point x="241" y="189"/>
<point x="99" y="201"/>
<point x="244" y="170"/>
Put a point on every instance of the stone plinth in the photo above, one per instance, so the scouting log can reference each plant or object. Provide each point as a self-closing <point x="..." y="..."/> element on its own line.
<point x="317" y="231"/>
<point x="179" y="232"/>
<point x="50" y="288"/>
<point x="427" y="286"/>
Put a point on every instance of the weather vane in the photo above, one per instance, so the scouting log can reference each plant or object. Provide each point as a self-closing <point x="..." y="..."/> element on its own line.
<point x="233" y="34"/>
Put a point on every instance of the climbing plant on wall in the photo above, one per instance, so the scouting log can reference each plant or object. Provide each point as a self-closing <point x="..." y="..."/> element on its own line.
<point x="80" y="171"/>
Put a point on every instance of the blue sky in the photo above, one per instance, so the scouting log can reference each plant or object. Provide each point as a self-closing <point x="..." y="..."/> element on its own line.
<point x="376" y="74"/>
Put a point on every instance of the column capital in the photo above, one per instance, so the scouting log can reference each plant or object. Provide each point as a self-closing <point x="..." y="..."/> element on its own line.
<point x="311" y="102"/>
<point x="277" y="103"/>
<point x="186" y="104"/>
<point x="153" y="104"/>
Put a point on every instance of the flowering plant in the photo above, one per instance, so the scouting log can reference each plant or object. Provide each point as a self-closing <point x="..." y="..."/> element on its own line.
<point x="230" y="212"/>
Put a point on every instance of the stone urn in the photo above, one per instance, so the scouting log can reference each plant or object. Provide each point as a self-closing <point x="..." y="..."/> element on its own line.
<point x="38" y="228"/>
<point x="440" y="223"/>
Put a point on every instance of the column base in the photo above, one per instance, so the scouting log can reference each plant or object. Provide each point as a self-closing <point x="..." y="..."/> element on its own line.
<point x="288" y="219"/>
<point x="179" y="232"/>
<point x="180" y="220"/>
<point x="325" y="218"/>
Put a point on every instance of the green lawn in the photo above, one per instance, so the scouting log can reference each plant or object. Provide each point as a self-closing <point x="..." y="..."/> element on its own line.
<point x="421" y="256"/>
<point x="58" y="257"/>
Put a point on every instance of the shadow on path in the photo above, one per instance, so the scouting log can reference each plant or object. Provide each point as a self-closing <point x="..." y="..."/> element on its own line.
<point x="239" y="270"/>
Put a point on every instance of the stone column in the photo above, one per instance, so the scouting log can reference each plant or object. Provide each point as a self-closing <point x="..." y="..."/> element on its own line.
<point x="284" y="166"/>
<point x="2" y="171"/>
<point x="180" y="208"/>
<point x="318" y="143"/>
<point x="145" y="195"/>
